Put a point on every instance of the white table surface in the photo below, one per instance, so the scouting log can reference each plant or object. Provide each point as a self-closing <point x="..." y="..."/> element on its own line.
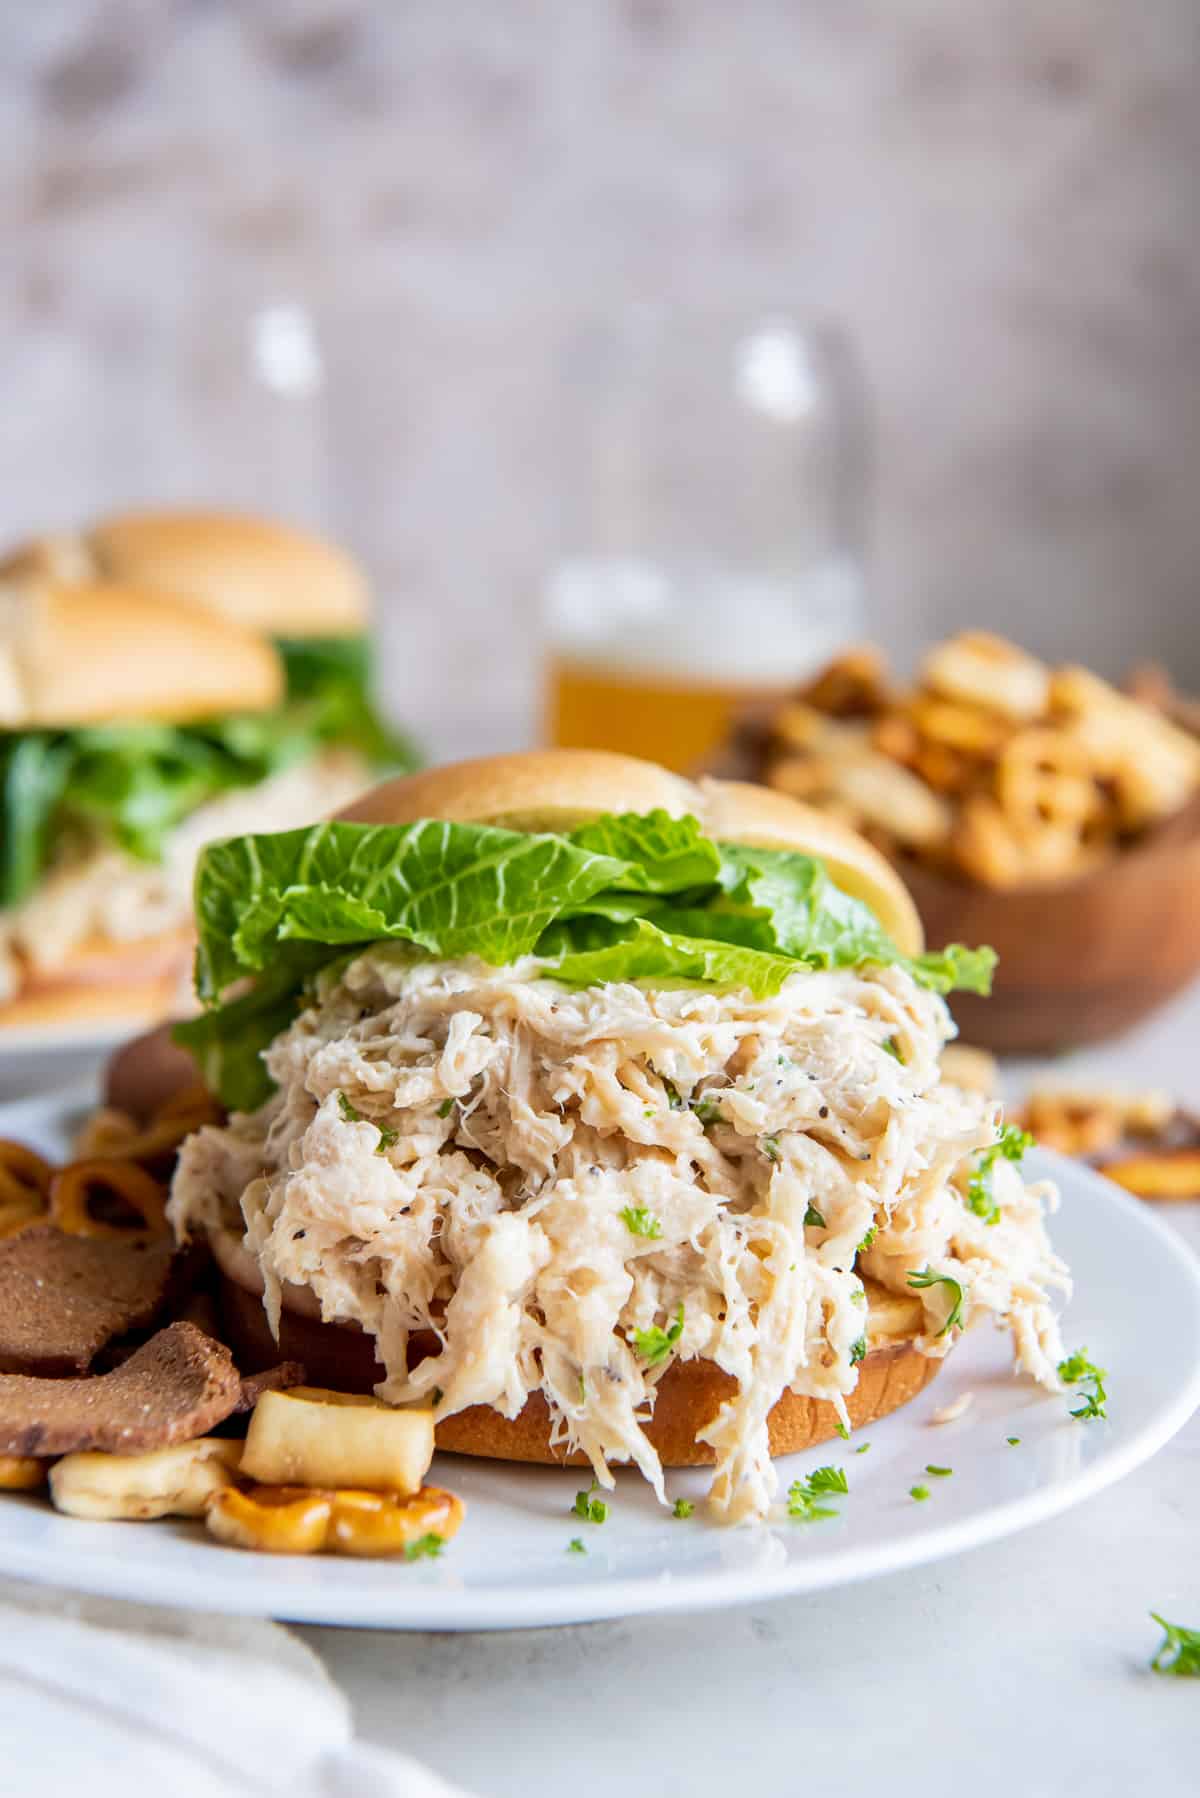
<point x="1016" y="1669"/>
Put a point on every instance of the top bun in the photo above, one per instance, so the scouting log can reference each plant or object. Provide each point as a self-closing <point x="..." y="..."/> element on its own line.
<point x="270" y="576"/>
<point x="558" y="789"/>
<point x="97" y="653"/>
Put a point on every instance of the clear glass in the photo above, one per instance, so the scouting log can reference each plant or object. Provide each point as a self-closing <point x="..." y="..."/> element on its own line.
<point x="712" y="495"/>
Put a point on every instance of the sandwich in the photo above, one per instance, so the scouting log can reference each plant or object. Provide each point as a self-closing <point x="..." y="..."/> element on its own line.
<point x="307" y="595"/>
<point x="603" y="1111"/>
<point x="164" y="679"/>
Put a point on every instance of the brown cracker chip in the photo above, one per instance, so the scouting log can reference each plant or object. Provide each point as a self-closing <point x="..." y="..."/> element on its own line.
<point x="176" y="1387"/>
<point x="62" y="1298"/>
<point x="272" y="1379"/>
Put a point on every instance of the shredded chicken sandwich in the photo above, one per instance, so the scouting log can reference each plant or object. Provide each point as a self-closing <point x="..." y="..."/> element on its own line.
<point x="571" y="1181"/>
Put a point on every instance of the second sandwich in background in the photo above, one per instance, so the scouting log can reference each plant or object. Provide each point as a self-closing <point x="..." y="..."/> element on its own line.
<point x="143" y="712"/>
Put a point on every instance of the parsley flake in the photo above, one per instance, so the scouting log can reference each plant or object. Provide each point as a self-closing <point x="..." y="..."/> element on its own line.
<point x="954" y="1289"/>
<point x="813" y="1216"/>
<point x="891" y="1047"/>
<point x="802" y="1504"/>
<point x="842" y="1431"/>
<point x="770" y="1147"/>
<point x="683" y="1507"/>
<point x="674" y="1097"/>
<point x="445" y="1108"/>
<point x="1013" y="1441"/>
<point x="920" y="1493"/>
<point x="1010" y="1145"/>
<point x="858" y="1351"/>
<point x="425" y="1548"/>
<point x="1078" y="1370"/>
<point x="941" y="1473"/>
<point x="707" y="1109"/>
<point x="1178" y="1653"/>
<point x="640" y="1222"/>
<point x="576" y="1547"/>
<point x="592" y="1510"/>
<point x="352" y="1115"/>
<point x="829" y="1479"/>
<point x="862" y="1448"/>
<point x="868" y="1239"/>
<point x="654" y="1345"/>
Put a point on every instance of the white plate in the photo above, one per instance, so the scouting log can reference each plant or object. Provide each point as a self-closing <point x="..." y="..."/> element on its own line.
<point x="1137" y="1308"/>
<point x="53" y="1056"/>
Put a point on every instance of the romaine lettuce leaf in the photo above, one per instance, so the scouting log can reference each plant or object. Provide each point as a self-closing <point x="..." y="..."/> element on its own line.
<point x="626" y="898"/>
<point x="452" y="889"/>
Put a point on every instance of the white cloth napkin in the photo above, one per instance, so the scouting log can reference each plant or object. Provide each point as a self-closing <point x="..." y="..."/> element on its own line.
<point x="105" y="1698"/>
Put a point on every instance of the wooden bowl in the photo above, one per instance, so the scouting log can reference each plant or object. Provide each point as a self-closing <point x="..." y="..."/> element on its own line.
<point x="1079" y="961"/>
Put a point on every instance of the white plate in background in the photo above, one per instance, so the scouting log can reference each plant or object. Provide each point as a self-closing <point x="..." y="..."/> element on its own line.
<point x="48" y="1059"/>
<point x="1136" y="1308"/>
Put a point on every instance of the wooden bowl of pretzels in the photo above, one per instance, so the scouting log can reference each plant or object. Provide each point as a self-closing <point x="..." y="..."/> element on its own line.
<point x="1037" y="809"/>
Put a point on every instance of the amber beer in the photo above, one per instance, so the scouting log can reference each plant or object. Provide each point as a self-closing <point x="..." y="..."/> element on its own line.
<point x="679" y="720"/>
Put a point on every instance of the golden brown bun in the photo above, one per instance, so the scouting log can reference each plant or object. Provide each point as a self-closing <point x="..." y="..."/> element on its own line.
<point x="342" y="1357"/>
<point x="95" y="653"/>
<point x="135" y="982"/>
<point x="557" y="789"/>
<point x="267" y="575"/>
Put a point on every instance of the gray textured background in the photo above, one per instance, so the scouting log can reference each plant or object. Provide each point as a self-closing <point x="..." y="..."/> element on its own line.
<point x="999" y="198"/>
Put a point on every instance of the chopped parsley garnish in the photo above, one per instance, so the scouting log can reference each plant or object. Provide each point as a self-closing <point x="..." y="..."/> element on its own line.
<point x="445" y="1108"/>
<point x="858" y="1296"/>
<point x="1013" y="1441"/>
<point x="891" y="1047"/>
<point x="674" y="1097"/>
<point x="654" y="1345"/>
<point x="920" y="1493"/>
<point x="770" y="1147"/>
<point x="842" y="1431"/>
<point x="582" y="1390"/>
<point x="941" y="1473"/>
<point x="862" y="1448"/>
<point x="352" y="1115"/>
<point x="683" y="1507"/>
<point x="1010" y="1145"/>
<point x="802" y="1504"/>
<point x="828" y="1479"/>
<point x="575" y="1546"/>
<point x="868" y="1239"/>
<point x="640" y="1222"/>
<point x="813" y="1216"/>
<point x="592" y="1510"/>
<point x="707" y="1108"/>
<point x="858" y="1351"/>
<point x="1078" y="1370"/>
<point x="926" y="1277"/>
<point x="1179" y="1651"/>
<point x="425" y="1548"/>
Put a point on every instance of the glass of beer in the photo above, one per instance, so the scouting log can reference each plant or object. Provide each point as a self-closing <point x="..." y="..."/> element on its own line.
<point x="711" y="507"/>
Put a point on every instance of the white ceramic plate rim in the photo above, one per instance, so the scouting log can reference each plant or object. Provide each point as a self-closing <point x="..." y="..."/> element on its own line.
<point x="281" y="1588"/>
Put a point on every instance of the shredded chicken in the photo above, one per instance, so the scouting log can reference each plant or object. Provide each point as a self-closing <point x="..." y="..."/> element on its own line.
<point x="539" y="1176"/>
<point x="95" y="890"/>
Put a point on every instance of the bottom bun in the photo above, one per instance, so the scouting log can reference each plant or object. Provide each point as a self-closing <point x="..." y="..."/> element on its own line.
<point x="136" y="983"/>
<point x="342" y="1357"/>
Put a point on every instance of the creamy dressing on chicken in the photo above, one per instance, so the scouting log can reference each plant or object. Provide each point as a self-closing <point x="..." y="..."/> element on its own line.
<point x="541" y="1177"/>
<point x="95" y="890"/>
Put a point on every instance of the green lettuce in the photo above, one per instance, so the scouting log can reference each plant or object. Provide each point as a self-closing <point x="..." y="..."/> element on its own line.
<point x="132" y="784"/>
<point x="632" y="897"/>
